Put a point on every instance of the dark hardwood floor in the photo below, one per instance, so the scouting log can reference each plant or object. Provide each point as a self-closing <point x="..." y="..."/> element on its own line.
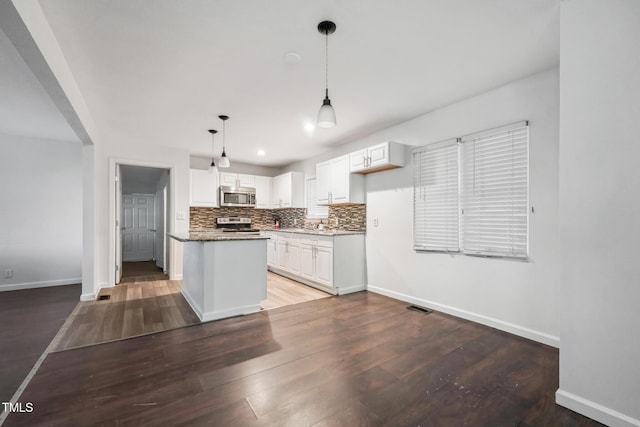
<point x="354" y="360"/>
<point x="29" y="319"/>
<point x="141" y="271"/>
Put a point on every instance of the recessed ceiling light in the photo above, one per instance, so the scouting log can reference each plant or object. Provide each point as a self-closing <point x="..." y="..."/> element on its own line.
<point x="292" y="58"/>
<point x="309" y="127"/>
<point x="261" y="153"/>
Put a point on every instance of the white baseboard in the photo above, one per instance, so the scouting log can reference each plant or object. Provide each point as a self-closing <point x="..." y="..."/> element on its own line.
<point x="594" y="410"/>
<point x="221" y="314"/>
<point x="236" y="311"/>
<point x="35" y="285"/>
<point x="474" y="317"/>
<point x="342" y="290"/>
<point x="93" y="296"/>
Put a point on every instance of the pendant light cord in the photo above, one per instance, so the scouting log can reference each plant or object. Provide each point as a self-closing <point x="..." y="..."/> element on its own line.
<point x="224" y="135"/>
<point x="326" y="61"/>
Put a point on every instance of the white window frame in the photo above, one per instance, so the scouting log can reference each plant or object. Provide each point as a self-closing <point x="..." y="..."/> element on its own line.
<point x="313" y="210"/>
<point x="497" y="203"/>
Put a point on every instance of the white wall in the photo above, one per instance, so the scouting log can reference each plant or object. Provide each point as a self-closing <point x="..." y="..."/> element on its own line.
<point x="40" y="212"/>
<point x="107" y="154"/>
<point x="519" y="297"/>
<point x="236" y="167"/>
<point x="600" y="210"/>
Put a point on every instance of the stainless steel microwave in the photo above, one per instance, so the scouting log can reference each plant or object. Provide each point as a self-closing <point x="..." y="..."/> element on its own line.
<point x="237" y="196"/>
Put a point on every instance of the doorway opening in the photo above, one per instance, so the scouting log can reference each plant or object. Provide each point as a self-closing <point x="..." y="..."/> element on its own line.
<point x="142" y="271"/>
<point x="141" y="223"/>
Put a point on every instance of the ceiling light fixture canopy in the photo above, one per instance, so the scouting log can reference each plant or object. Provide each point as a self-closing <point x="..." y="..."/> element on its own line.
<point x="326" y="115"/>
<point x="223" y="162"/>
<point x="213" y="150"/>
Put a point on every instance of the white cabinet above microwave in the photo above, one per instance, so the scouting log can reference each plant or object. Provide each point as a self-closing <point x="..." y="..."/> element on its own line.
<point x="237" y="179"/>
<point x="376" y="158"/>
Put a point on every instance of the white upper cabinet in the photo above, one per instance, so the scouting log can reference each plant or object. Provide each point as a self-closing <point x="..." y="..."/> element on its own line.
<point x="357" y="160"/>
<point x="323" y="182"/>
<point x="287" y="191"/>
<point x="237" y="179"/>
<point x="336" y="185"/>
<point x="387" y="155"/>
<point x="203" y="188"/>
<point x="263" y="191"/>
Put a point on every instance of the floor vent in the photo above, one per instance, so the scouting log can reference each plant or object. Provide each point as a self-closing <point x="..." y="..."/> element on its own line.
<point x="419" y="309"/>
<point x="104" y="297"/>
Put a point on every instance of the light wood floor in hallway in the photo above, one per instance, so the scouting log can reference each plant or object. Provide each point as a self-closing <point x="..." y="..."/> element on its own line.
<point x="133" y="309"/>
<point x="147" y="307"/>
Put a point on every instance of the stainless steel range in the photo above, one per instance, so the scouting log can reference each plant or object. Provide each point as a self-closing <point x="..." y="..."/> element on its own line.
<point x="234" y="224"/>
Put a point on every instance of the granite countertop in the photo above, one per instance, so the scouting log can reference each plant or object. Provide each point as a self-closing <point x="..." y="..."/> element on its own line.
<point x="213" y="236"/>
<point x="317" y="232"/>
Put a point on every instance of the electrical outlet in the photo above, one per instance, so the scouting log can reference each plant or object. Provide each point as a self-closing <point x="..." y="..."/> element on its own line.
<point x="337" y="221"/>
<point x="8" y="274"/>
<point x="295" y="221"/>
<point x="375" y="222"/>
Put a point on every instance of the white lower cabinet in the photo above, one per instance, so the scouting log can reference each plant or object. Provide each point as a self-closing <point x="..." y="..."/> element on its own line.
<point x="324" y="265"/>
<point x="335" y="264"/>
<point x="293" y="248"/>
<point x="283" y="253"/>
<point x="307" y="258"/>
<point x="288" y="253"/>
<point x="317" y="260"/>
<point x="272" y="248"/>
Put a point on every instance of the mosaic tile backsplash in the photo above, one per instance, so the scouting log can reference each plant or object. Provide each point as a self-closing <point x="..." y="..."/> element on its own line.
<point x="349" y="217"/>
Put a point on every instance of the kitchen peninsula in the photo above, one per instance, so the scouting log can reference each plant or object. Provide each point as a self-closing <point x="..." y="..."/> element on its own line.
<point x="224" y="274"/>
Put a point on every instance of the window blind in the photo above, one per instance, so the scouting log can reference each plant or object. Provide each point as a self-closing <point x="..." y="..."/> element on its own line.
<point x="494" y="196"/>
<point x="436" y="224"/>
<point x="313" y="210"/>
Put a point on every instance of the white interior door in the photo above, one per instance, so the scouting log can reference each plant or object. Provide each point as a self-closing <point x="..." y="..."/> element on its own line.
<point x="138" y="238"/>
<point x="118" y="207"/>
<point x="160" y="228"/>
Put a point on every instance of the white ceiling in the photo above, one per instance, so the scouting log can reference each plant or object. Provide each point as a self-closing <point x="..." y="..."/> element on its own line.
<point x="160" y="71"/>
<point x="141" y="174"/>
<point x="25" y="108"/>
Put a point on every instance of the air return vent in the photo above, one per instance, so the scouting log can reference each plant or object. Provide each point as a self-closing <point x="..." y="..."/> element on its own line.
<point x="419" y="309"/>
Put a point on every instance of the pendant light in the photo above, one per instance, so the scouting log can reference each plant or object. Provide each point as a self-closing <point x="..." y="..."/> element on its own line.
<point x="213" y="150"/>
<point x="223" y="161"/>
<point x="326" y="115"/>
